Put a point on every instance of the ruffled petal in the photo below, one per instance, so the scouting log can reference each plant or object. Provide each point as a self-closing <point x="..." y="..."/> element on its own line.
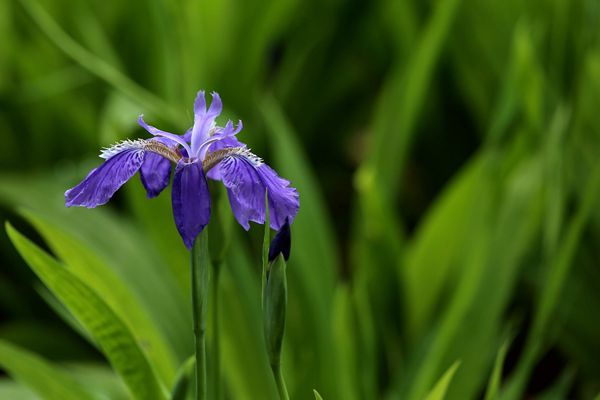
<point x="100" y="184"/>
<point x="246" y="183"/>
<point x="204" y="119"/>
<point x="155" y="173"/>
<point x="191" y="201"/>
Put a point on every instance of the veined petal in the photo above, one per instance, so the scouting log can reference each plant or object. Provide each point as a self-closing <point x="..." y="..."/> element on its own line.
<point x="100" y="184"/>
<point x="246" y="183"/>
<point x="168" y="135"/>
<point x="155" y="173"/>
<point x="191" y="201"/>
<point x="204" y="119"/>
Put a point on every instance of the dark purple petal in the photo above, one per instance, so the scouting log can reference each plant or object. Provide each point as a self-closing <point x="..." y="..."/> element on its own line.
<point x="100" y="184"/>
<point x="246" y="184"/>
<point x="191" y="201"/>
<point x="155" y="173"/>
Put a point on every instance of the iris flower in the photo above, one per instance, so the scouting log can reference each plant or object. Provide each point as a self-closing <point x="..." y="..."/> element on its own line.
<point x="205" y="150"/>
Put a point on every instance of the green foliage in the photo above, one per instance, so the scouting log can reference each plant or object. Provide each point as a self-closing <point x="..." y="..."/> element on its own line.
<point x="105" y="327"/>
<point x="49" y="381"/>
<point x="445" y="153"/>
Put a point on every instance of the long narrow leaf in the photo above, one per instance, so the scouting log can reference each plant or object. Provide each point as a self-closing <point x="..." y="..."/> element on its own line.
<point x="105" y="327"/>
<point x="47" y="380"/>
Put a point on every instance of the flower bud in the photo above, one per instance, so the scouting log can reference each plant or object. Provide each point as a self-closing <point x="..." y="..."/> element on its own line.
<point x="281" y="243"/>
<point x="275" y="303"/>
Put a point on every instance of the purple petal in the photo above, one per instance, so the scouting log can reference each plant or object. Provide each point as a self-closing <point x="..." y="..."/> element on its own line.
<point x="229" y="141"/>
<point x="100" y="184"/>
<point x="246" y="185"/>
<point x="162" y="134"/>
<point x="229" y="130"/>
<point x="155" y="174"/>
<point x="204" y="119"/>
<point x="191" y="201"/>
<point x="200" y="103"/>
<point x="187" y="136"/>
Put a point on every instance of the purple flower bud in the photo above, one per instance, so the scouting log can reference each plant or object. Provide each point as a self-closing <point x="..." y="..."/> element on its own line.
<point x="281" y="243"/>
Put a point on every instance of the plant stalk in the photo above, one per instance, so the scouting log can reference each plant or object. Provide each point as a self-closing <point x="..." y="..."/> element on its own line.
<point x="200" y="271"/>
<point x="281" y="388"/>
<point x="216" y="353"/>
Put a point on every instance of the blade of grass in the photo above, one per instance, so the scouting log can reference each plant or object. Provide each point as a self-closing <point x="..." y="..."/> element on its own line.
<point x="98" y="66"/>
<point x="83" y="263"/>
<point x="106" y="328"/>
<point x="496" y="376"/>
<point x="441" y="387"/>
<point x="555" y="279"/>
<point x="400" y="104"/>
<point x="49" y="381"/>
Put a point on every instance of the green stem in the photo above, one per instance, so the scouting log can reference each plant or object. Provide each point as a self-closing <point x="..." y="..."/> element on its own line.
<point x="281" y="389"/>
<point x="216" y="384"/>
<point x="200" y="270"/>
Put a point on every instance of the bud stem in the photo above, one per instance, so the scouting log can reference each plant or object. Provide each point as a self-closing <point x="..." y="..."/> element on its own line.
<point x="281" y="389"/>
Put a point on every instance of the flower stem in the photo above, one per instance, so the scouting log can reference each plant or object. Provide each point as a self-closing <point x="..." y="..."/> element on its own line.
<point x="216" y="373"/>
<point x="200" y="270"/>
<point x="281" y="388"/>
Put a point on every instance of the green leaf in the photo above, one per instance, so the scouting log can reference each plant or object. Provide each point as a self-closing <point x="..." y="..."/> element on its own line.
<point x="98" y="66"/>
<point x="10" y="389"/>
<point x="121" y="245"/>
<point x="245" y="363"/>
<point x="438" y="242"/>
<point x="345" y="330"/>
<point x="185" y="380"/>
<point x="441" y="387"/>
<point x="494" y="383"/>
<point x="401" y="103"/>
<point x="49" y="381"/>
<point x="314" y="263"/>
<point x="86" y="265"/>
<point x="106" y="328"/>
<point x="317" y="395"/>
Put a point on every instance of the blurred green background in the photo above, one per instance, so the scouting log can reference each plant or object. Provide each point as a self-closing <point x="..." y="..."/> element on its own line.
<point x="446" y="154"/>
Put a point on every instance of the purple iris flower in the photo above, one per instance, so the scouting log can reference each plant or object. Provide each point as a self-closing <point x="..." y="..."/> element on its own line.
<point x="206" y="150"/>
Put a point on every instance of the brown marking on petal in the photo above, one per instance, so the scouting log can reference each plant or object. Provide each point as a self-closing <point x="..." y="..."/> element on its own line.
<point x="170" y="153"/>
<point x="217" y="156"/>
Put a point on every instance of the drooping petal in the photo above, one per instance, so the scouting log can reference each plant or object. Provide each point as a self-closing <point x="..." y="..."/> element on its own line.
<point x="204" y="119"/>
<point x="162" y="134"/>
<point x="246" y="183"/>
<point x="191" y="201"/>
<point x="100" y="184"/>
<point x="155" y="173"/>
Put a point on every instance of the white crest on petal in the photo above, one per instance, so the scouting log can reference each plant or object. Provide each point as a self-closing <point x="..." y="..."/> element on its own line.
<point x="249" y="155"/>
<point x="137" y="144"/>
<point x="217" y="156"/>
